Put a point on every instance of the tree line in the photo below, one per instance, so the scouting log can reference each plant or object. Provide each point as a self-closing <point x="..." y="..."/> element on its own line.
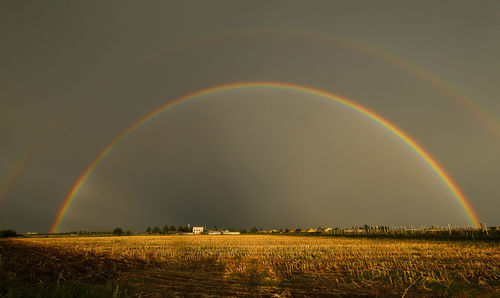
<point x="168" y="229"/>
<point x="363" y="231"/>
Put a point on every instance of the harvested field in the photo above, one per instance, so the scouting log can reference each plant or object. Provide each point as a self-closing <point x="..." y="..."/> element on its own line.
<point x="248" y="265"/>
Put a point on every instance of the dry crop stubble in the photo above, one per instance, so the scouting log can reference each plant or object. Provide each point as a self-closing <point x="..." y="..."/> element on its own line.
<point x="264" y="264"/>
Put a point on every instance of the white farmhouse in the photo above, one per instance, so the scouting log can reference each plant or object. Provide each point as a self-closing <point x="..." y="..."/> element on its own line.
<point x="197" y="230"/>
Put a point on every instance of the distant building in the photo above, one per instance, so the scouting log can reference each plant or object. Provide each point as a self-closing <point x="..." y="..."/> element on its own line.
<point x="197" y="230"/>
<point x="214" y="232"/>
<point x="226" y="232"/>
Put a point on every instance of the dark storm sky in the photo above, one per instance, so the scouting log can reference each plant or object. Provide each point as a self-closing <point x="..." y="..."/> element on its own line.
<point x="74" y="75"/>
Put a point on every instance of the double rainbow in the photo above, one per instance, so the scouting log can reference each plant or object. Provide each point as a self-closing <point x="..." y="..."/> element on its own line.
<point x="449" y="90"/>
<point x="419" y="150"/>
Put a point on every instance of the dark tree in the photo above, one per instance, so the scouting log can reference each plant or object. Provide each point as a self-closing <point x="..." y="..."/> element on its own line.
<point x="7" y="233"/>
<point x="156" y="230"/>
<point x="165" y="230"/>
<point x="148" y="230"/>
<point x="118" y="231"/>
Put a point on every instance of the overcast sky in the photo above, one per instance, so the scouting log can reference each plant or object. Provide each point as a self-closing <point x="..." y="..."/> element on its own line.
<point x="74" y="75"/>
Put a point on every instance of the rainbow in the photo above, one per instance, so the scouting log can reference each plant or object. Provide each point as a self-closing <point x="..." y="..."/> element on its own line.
<point x="23" y="160"/>
<point x="15" y="170"/>
<point x="450" y="91"/>
<point x="424" y="155"/>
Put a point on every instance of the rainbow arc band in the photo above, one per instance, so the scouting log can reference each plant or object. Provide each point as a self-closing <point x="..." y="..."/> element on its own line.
<point x="419" y="150"/>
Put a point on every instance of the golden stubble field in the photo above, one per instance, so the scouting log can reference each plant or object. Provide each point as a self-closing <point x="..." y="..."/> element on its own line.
<point x="238" y="265"/>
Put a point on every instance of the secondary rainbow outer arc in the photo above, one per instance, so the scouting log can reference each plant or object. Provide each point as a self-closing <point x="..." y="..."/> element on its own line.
<point x="428" y="159"/>
<point x="23" y="160"/>
<point x="15" y="170"/>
